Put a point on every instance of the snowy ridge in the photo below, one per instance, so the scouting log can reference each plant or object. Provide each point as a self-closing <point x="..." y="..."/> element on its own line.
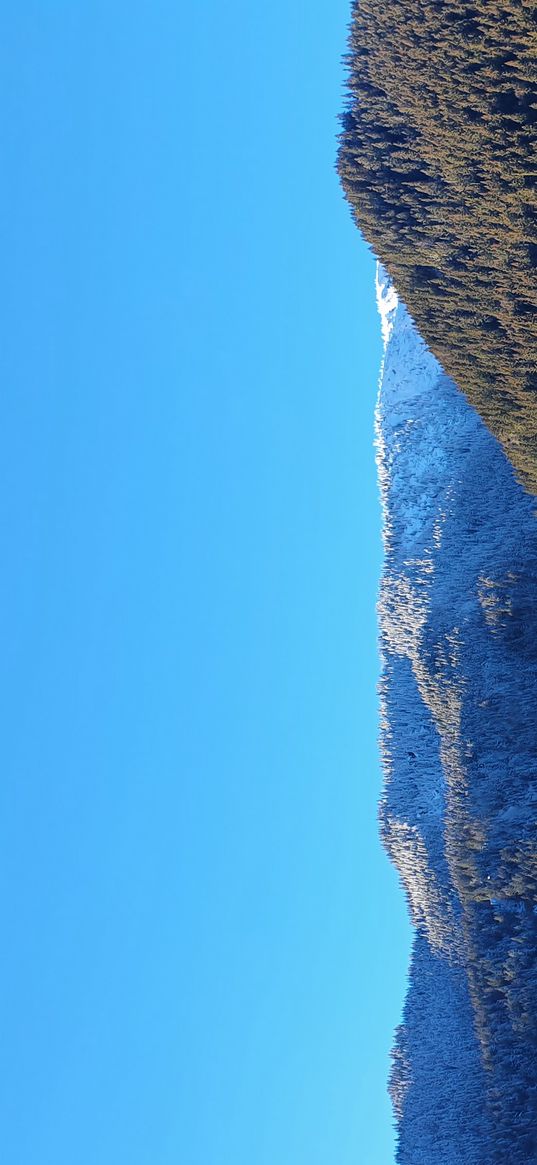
<point x="409" y="373"/>
<point x="387" y="300"/>
<point x="458" y="635"/>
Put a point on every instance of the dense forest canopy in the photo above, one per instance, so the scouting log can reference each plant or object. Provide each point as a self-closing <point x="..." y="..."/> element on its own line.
<point x="438" y="161"/>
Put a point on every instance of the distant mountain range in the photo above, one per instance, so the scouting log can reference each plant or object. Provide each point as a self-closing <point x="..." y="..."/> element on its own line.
<point x="438" y="159"/>
<point x="458" y="633"/>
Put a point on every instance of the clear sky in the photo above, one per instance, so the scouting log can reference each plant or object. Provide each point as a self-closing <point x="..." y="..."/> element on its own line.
<point x="204" y="948"/>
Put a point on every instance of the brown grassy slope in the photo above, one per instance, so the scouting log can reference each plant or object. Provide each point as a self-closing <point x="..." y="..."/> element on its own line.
<point x="438" y="159"/>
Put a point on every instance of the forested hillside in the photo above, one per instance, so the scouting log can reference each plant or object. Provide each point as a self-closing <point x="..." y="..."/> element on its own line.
<point x="438" y="159"/>
<point x="458" y="633"/>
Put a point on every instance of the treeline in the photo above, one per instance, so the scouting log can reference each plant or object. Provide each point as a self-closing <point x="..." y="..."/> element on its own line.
<point x="438" y="159"/>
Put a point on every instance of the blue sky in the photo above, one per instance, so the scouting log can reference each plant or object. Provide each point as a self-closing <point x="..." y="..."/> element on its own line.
<point x="204" y="947"/>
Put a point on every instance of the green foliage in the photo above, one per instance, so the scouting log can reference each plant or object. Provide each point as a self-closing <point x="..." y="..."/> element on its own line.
<point x="438" y="161"/>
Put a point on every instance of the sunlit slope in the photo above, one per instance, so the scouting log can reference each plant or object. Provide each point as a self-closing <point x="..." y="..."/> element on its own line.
<point x="458" y="635"/>
<point x="438" y="159"/>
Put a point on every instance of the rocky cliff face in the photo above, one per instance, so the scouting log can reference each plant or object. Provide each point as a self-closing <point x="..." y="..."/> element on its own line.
<point x="458" y="634"/>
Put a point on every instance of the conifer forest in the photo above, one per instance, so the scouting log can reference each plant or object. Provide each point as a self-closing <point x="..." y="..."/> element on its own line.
<point x="439" y="165"/>
<point x="438" y="161"/>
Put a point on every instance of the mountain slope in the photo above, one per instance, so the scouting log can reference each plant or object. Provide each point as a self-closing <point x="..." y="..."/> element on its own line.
<point x="438" y="160"/>
<point x="458" y="634"/>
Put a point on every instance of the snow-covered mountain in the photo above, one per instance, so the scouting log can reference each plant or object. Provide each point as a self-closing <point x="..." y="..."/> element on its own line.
<point x="458" y="636"/>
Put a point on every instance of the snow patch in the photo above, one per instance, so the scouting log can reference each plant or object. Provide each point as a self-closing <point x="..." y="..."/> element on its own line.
<point x="387" y="301"/>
